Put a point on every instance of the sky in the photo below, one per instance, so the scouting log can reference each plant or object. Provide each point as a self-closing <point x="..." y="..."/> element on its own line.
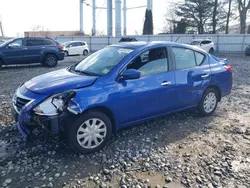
<point x="63" y="15"/>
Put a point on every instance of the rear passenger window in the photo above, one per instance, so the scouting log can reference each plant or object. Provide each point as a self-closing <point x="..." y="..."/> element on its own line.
<point x="48" y="42"/>
<point x="34" y="42"/>
<point x="184" y="58"/>
<point x="199" y="58"/>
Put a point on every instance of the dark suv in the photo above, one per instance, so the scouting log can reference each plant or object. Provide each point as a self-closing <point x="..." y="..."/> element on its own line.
<point x="31" y="50"/>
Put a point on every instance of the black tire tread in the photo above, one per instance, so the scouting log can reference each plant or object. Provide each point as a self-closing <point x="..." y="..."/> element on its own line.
<point x="45" y="60"/>
<point x="1" y="64"/>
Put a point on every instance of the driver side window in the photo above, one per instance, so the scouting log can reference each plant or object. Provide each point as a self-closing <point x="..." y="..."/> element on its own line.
<point x="151" y="62"/>
<point x="17" y="43"/>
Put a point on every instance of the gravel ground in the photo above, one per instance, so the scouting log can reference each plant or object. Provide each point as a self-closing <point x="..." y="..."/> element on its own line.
<point x="181" y="150"/>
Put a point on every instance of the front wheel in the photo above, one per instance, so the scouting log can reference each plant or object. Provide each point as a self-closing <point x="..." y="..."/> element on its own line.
<point x="50" y="60"/>
<point x="90" y="132"/>
<point x="85" y="52"/>
<point x="66" y="53"/>
<point x="208" y="102"/>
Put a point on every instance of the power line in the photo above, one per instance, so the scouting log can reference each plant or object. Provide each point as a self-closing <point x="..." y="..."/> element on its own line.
<point x="105" y="1"/>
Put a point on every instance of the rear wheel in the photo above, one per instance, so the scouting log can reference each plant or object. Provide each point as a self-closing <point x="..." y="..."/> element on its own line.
<point x="211" y="50"/>
<point x="90" y="132"/>
<point x="50" y="60"/>
<point x="1" y="64"/>
<point x="66" y="53"/>
<point x="85" y="52"/>
<point x="208" y="102"/>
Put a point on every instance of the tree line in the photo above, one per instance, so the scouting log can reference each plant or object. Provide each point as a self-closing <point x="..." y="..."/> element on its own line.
<point x="203" y="16"/>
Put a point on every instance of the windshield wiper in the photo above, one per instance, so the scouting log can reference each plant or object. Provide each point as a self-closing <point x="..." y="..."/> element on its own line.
<point x="86" y="73"/>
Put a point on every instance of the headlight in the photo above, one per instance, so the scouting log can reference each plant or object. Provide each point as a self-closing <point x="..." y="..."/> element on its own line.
<point x="54" y="105"/>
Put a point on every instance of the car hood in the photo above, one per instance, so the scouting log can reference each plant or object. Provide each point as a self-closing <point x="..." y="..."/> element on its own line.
<point x="58" y="81"/>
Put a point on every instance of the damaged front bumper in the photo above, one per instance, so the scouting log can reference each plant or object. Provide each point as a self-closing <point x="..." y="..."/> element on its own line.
<point x="28" y="121"/>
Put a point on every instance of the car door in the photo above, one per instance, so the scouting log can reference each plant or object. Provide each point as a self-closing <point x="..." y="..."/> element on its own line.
<point x="72" y="48"/>
<point x="14" y="52"/>
<point x="33" y="50"/>
<point x="79" y="48"/>
<point x="153" y="93"/>
<point x="206" y="45"/>
<point x="192" y="75"/>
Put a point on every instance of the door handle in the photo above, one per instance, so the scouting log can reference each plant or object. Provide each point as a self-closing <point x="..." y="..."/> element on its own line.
<point x="205" y="75"/>
<point x="25" y="48"/>
<point x="165" y="83"/>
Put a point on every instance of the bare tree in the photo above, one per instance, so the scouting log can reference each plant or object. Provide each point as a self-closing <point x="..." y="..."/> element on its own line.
<point x="171" y="20"/>
<point x="243" y="7"/>
<point x="228" y="15"/>
<point x="137" y="32"/>
<point x="99" y="33"/>
<point x="214" y="22"/>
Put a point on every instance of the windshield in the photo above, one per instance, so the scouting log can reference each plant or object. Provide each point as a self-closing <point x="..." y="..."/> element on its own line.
<point x="102" y="61"/>
<point x="5" y="42"/>
<point x="195" y="43"/>
<point x="65" y="43"/>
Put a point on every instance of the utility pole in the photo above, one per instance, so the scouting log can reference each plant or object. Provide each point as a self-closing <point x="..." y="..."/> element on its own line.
<point x="149" y="4"/>
<point x="109" y="18"/>
<point x="93" y="18"/>
<point x="124" y="17"/>
<point x="81" y="16"/>
<point x="118" y="18"/>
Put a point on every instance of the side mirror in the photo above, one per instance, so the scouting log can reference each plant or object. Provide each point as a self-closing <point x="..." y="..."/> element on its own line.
<point x="201" y="44"/>
<point x="130" y="74"/>
<point x="11" y="45"/>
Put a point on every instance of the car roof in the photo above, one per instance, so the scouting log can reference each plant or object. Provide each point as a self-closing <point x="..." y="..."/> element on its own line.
<point x="201" y="39"/>
<point x="33" y="38"/>
<point x="136" y="45"/>
<point x="74" y="41"/>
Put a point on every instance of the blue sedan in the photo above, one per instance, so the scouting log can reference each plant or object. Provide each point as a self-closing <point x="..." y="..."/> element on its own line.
<point x="118" y="86"/>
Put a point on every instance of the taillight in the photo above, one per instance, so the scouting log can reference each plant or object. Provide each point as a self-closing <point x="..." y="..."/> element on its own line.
<point x="60" y="47"/>
<point x="229" y="68"/>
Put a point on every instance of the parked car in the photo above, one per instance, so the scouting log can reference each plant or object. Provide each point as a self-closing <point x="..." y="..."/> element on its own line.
<point x="247" y="50"/>
<point x="127" y="39"/>
<point x="31" y="50"/>
<point x="75" y="48"/>
<point x="114" y="88"/>
<point x="205" y="44"/>
<point x="2" y="41"/>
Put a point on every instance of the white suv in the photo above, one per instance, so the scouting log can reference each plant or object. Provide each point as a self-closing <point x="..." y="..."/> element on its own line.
<point x="205" y="44"/>
<point x="75" y="48"/>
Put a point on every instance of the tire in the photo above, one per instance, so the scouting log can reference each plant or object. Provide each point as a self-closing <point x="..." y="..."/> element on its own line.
<point x="211" y="50"/>
<point x="50" y="60"/>
<point x="66" y="53"/>
<point x="1" y="64"/>
<point x="85" y="52"/>
<point x="203" y="107"/>
<point x="75" y="132"/>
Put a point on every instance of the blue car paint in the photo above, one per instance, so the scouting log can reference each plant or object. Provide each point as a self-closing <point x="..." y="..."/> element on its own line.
<point x="133" y="101"/>
<point x="27" y="54"/>
<point x="57" y="81"/>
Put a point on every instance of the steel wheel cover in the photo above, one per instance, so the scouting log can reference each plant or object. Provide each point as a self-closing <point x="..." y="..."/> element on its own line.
<point x="91" y="133"/>
<point x="209" y="102"/>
